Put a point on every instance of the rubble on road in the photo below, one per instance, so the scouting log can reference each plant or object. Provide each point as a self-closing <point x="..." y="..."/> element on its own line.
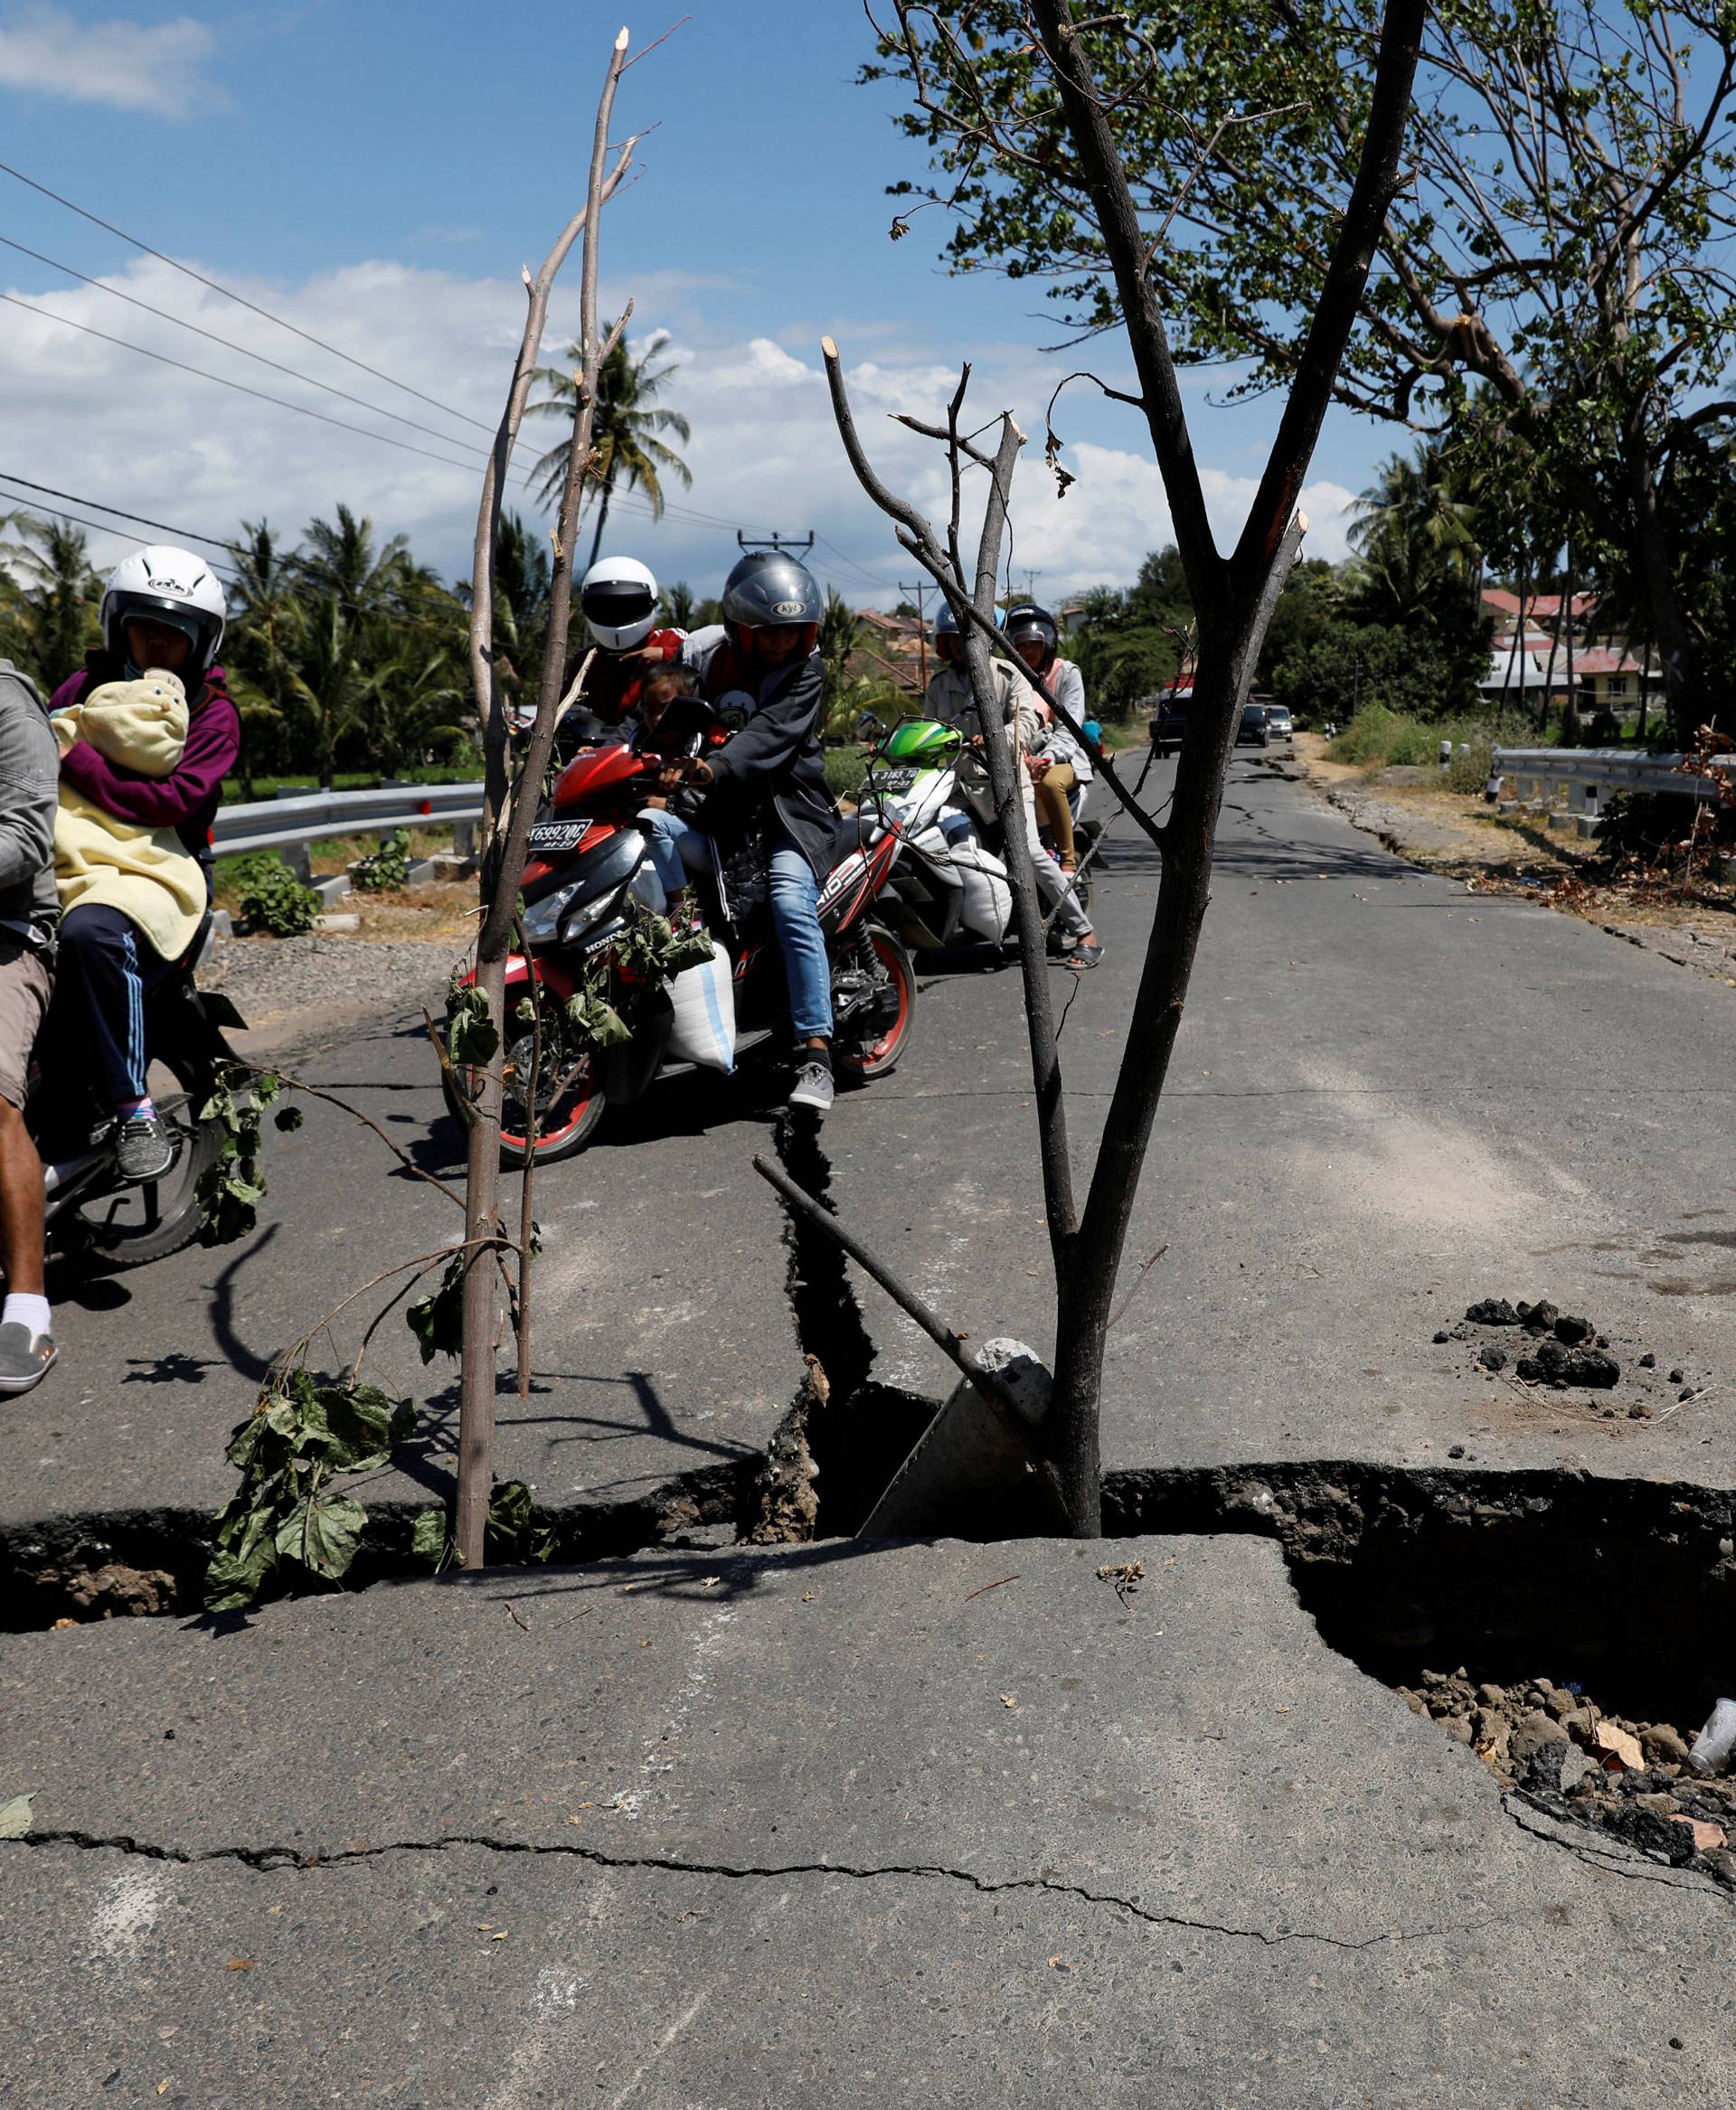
<point x="1552" y="1744"/>
<point x="1538" y="1347"/>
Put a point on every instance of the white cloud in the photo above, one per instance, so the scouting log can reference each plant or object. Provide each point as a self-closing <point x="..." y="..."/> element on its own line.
<point x="128" y="65"/>
<point x="96" y="420"/>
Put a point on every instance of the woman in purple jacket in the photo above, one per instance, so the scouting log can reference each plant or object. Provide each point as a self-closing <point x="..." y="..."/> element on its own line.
<point x="162" y="610"/>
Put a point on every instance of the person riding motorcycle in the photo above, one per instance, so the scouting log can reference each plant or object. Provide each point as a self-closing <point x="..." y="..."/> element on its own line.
<point x="162" y="610"/>
<point x="1059" y="762"/>
<point x="618" y="598"/>
<point x="769" y="776"/>
<point x="951" y="699"/>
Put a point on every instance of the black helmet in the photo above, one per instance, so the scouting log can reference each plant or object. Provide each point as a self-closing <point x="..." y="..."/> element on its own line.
<point x="1025" y="620"/>
<point x="767" y="590"/>
<point x="947" y="630"/>
<point x="767" y="587"/>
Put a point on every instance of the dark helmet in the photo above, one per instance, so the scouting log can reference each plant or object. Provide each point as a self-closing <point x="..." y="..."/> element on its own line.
<point x="766" y="590"/>
<point x="946" y="627"/>
<point x="1025" y="620"/>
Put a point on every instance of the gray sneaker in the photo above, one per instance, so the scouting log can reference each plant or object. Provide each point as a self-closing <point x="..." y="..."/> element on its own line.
<point x="813" y="1086"/>
<point x="25" y="1357"/>
<point x="144" y="1149"/>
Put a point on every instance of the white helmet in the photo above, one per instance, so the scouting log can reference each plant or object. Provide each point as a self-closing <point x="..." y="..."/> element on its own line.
<point x="173" y="587"/>
<point x="618" y="598"/>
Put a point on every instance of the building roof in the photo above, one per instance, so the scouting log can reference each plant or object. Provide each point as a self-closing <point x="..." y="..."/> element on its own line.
<point x="1539" y="607"/>
<point x="1607" y="659"/>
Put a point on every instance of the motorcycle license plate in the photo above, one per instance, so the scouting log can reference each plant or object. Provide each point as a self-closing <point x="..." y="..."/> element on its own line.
<point x="894" y="779"/>
<point x="558" y="834"/>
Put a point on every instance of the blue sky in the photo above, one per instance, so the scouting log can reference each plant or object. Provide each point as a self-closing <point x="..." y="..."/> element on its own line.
<point x="377" y="172"/>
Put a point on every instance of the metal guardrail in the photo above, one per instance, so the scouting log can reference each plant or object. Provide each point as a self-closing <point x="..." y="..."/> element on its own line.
<point x="1594" y="772"/>
<point x="301" y="817"/>
<point x="1597" y="767"/>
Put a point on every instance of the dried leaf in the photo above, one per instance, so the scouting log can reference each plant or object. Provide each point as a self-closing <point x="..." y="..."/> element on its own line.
<point x="1009" y="1700"/>
<point x="240" y="1964"/>
<point x="15" y="1816"/>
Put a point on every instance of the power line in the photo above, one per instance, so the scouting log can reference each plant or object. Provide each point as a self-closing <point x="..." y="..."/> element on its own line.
<point x="142" y="520"/>
<point x="18" y="175"/>
<point x="222" y="381"/>
<point x="211" y="336"/>
<point x="105" y="527"/>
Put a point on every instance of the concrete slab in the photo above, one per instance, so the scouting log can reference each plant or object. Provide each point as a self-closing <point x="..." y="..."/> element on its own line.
<point x="970" y="1474"/>
<point x="828" y="1824"/>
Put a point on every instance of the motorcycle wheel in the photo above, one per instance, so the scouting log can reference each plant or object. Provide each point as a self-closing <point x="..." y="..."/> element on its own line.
<point x="129" y="1226"/>
<point x="864" y="1058"/>
<point x="570" y="1103"/>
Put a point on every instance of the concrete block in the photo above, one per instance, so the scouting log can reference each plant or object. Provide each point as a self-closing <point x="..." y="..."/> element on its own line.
<point x="336" y="888"/>
<point x="453" y="868"/>
<point x="337" y="926"/>
<point x="1559" y="817"/>
<point x="421" y="871"/>
<point x="1588" y="825"/>
<point x="970" y="1478"/>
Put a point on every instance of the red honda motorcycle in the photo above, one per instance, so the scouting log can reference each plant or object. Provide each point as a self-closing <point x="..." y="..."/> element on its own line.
<point x="590" y="874"/>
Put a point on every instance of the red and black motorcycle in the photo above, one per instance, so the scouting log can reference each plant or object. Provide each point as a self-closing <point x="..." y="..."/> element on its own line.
<point x="590" y="873"/>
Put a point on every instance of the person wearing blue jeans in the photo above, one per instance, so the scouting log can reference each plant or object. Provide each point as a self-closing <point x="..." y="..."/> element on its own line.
<point x="680" y="851"/>
<point x="760" y="668"/>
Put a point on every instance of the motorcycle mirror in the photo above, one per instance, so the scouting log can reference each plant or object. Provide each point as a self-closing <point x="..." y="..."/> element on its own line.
<point x="869" y="726"/>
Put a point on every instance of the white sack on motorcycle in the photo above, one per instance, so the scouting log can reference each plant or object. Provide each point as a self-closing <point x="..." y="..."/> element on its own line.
<point x="704" y="1000"/>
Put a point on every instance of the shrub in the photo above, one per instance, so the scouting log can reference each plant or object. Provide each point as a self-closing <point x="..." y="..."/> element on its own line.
<point x="271" y="897"/>
<point x="387" y="870"/>
<point x="844" y="770"/>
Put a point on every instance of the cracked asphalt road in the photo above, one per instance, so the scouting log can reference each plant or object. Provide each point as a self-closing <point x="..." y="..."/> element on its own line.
<point x="808" y="1825"/>
<point x="829" y="1824"/>
<point x="1390" y="1096"/>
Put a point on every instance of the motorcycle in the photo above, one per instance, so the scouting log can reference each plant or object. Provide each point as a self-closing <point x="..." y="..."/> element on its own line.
<point x="591" y="876"/>
<point x="945" y="889"/>
<point x="92" y="1212"/>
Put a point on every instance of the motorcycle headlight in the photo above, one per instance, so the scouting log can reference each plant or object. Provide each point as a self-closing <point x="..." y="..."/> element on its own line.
<point x="584" y="918"/>
<point x="543" y="919"/>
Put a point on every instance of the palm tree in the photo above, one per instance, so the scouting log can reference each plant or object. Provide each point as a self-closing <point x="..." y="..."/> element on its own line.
<point x="339" y="558"/>
<point x="840" y="628"/>
<point x="260" y="602"/>
<point x="523" y="581"/>
<point x="627" y="451"/>
<point x="680" y="607"/>
<point x="54" y="600"/>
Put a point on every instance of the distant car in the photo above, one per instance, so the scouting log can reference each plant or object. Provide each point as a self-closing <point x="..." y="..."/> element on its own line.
<point x="1253" y="732"/>
<point x="1278" y="721"/>
<point x="1169" y="722"/>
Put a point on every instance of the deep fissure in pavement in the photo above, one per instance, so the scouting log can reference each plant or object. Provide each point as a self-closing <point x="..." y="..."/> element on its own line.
<point x="846" y="1433"/>
<point x="1630" y="1583"/>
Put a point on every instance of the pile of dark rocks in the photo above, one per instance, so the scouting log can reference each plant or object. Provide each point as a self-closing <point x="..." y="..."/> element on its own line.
<point x="1558" y="1351"/>
<point x="1557" y="1747"/>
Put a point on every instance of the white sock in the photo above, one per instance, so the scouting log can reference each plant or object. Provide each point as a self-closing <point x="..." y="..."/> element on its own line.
<point x="27" y="1311"/>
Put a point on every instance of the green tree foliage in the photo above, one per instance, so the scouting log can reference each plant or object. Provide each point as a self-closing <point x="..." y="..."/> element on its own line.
<point x="48" y="599"/>
<point x="351" y="650"/>
<point x="840" y="632"/>
<point x="630" y="453"/>
<point x="1131" y="646"/>
<point x="1554" y="282"/>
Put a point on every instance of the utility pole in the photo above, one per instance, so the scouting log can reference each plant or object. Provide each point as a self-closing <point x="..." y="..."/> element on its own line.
<point x="775" y="545"/>
<point x="921" y="589"/>
<point x="1033" y="572"/>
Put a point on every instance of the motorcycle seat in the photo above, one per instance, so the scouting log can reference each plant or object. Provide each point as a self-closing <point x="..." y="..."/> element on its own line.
<point x="853" y="832"/>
